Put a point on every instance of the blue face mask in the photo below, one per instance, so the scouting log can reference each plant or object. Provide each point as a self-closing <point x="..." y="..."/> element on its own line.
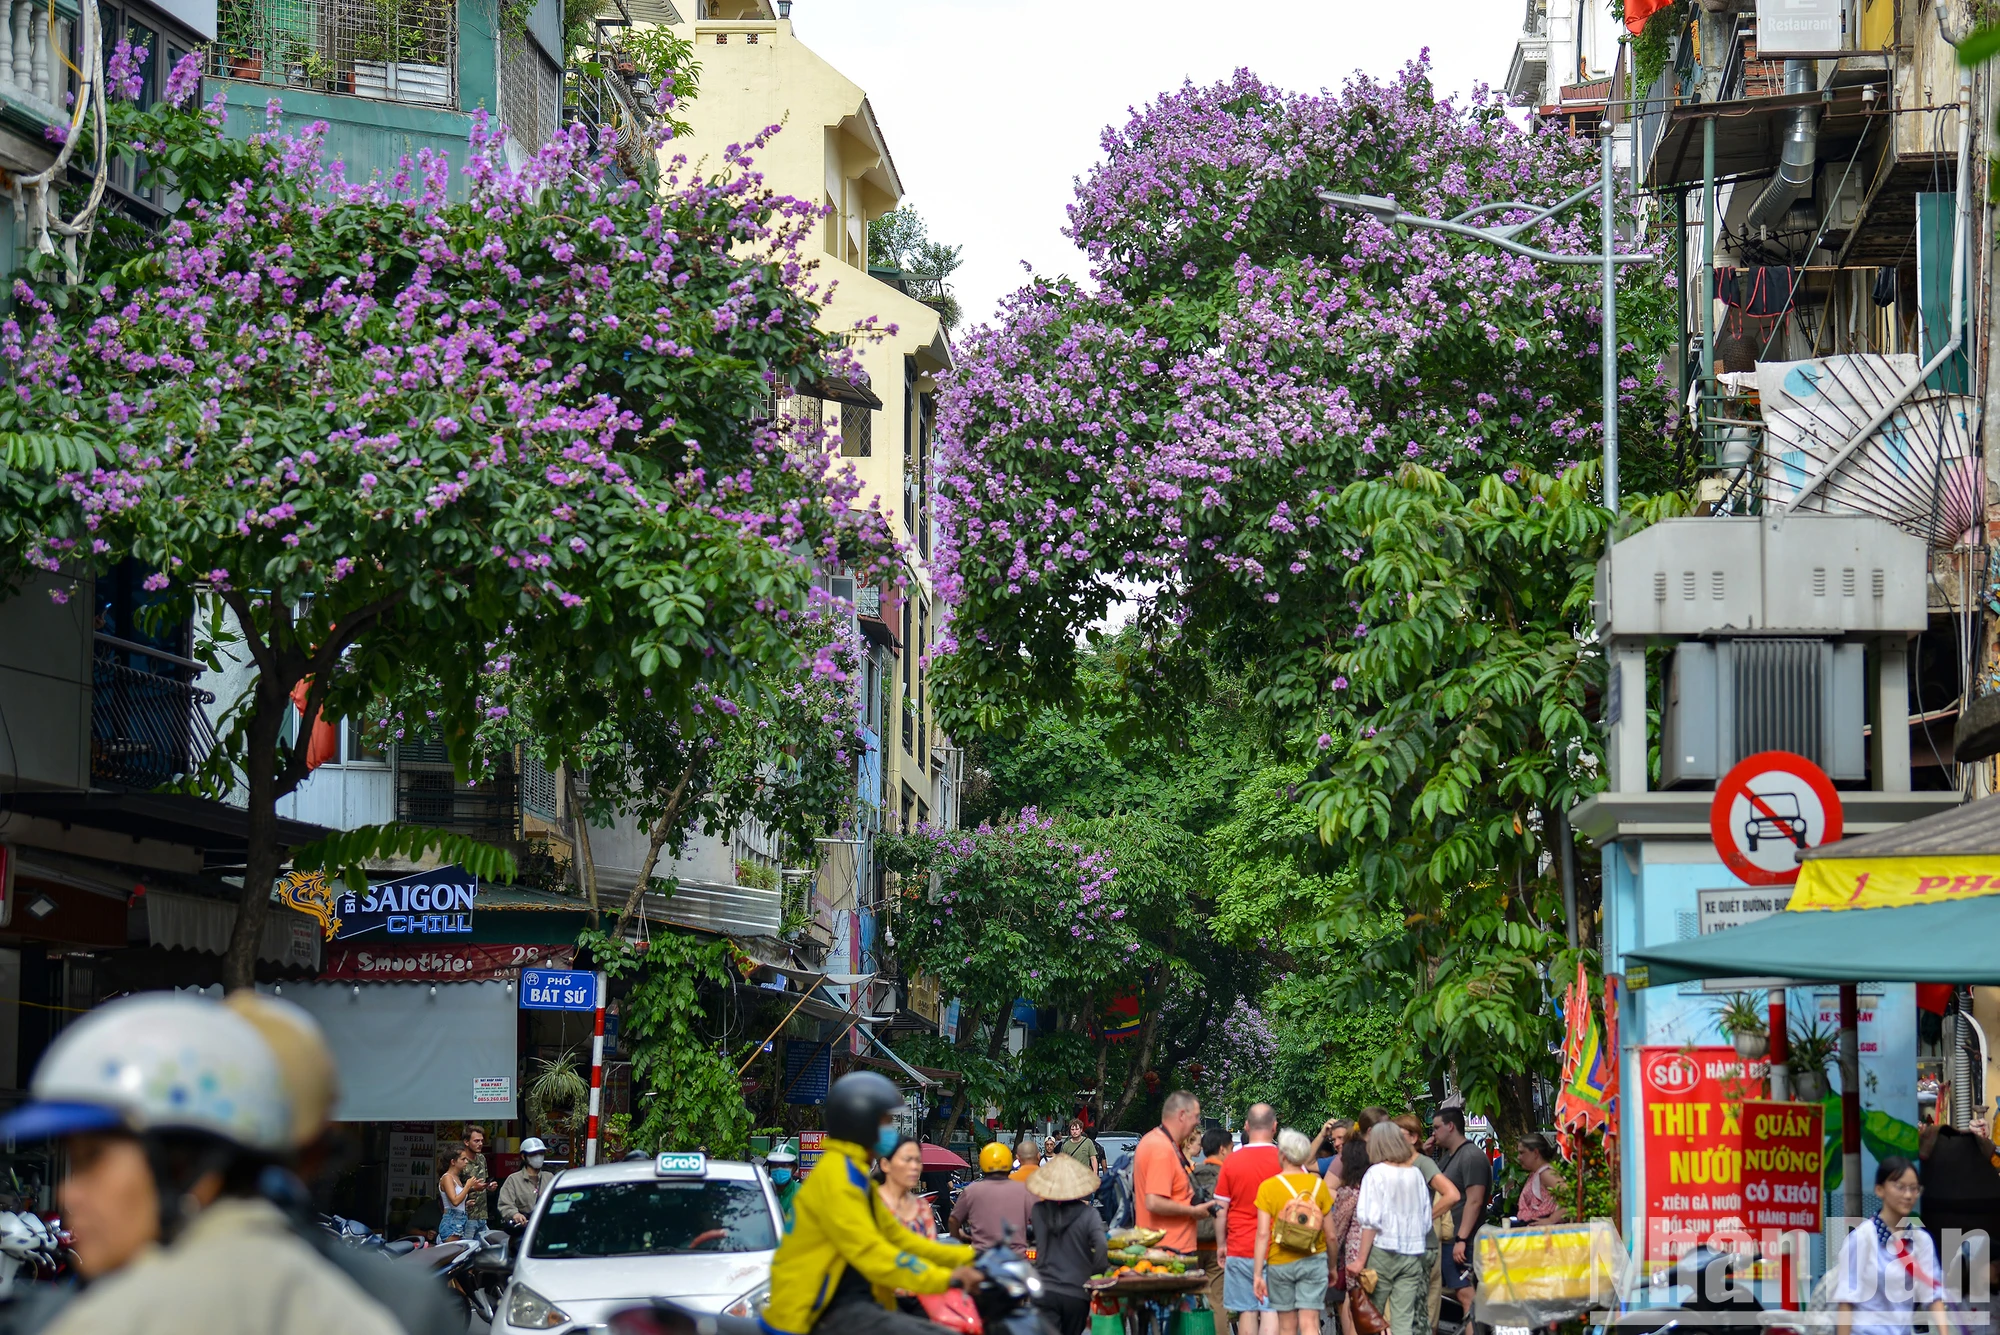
<point x="781" y="1175"/>
<point x="885" y="1141"/>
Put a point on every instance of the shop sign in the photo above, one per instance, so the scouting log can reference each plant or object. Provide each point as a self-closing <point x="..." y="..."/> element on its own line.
<point x="812" y="1146"/>
<point x="438" y="964"/>
<point x="1783" y="1148"/>
<point x="558" y="990"/>
<point x="492" y="1089"/>
<point x="1692" y="1143"/>
<point x="422" y="904"/>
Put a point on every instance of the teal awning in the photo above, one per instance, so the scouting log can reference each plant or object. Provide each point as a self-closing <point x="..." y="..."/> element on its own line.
<point x="1952" y="942"/>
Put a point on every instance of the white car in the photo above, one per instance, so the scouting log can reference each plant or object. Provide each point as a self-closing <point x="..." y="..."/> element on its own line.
<point x="679" y="1226"/>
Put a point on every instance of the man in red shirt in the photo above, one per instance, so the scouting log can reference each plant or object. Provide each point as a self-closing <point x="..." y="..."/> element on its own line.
<point x="1162" y="1185"/>
<point x="1242" y="1173"/>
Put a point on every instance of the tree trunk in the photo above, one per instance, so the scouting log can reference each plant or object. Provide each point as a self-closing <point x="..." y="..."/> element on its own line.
<point x="586" y="867"/>
<point x="261" y="855"/>
<point x="1097" y="1087"/>
<point x="1136" y="1079"/>
<point x="655" y="841"/>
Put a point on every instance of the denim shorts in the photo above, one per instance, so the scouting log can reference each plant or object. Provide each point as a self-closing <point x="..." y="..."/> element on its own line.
<point x="1297" y="1286"/>
<point x="1239" y="1275"/>
<point x="454" y="1224"/>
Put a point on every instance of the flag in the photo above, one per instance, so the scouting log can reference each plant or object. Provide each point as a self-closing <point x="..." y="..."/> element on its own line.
<point x="1638" y="11"/>
<point x="324" y="745"/>
<point x="1589" y="1077"/>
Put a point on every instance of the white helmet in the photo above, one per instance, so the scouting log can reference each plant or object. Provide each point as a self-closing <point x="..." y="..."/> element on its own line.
<point x="159" y="1062"/>
<point x="533" y="1145"/>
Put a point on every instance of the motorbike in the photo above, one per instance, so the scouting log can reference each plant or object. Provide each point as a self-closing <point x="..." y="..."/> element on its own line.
<point x="1003" y="1304"/>
<point x="352" y="1232"/>
<point x="1720" y="1301"/>
<point x="475" y="1269"/>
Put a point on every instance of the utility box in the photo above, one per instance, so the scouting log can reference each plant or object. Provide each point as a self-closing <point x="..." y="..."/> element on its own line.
<point x="1729" y="699"/>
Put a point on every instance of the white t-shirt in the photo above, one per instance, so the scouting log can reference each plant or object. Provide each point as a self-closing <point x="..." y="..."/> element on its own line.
<point x="1885" y="1280"/>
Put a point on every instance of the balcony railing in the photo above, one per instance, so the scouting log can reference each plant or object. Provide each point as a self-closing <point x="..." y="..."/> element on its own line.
<point x="34" y="68"/>
<point x="148" y="726"/>
<point x="385" y="50"/>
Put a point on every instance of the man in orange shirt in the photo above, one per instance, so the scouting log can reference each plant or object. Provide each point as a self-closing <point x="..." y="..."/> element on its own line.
<point x="1028" y="1151"/>
<point x="1162" y="1181"/>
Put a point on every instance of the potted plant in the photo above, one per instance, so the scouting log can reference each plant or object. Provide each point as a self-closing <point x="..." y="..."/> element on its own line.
<point x="1808" y="1052"/>
<point x="1742" y="1019"/>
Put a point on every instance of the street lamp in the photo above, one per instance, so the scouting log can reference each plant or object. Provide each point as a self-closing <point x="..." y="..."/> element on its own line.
<point x="1384" y="211"/>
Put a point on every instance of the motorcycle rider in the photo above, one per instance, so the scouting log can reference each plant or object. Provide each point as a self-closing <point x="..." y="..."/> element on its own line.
<point x="171" y="1107"/>
<point x="523" y="1186"/>
<point x="312" y="1085"/>
<point x="838" y="1268"/>
<point x="784" y="1169"/>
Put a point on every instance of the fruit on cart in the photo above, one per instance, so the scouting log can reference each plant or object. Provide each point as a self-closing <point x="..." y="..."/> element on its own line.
<point x="1144" y="1237"/>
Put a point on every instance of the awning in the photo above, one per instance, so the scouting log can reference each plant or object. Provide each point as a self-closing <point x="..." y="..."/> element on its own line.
<point x="1946" y="942"/>
<point x="189" y="922"/>
<point x="1952" y="856"/>
<point x="843" y="389"/>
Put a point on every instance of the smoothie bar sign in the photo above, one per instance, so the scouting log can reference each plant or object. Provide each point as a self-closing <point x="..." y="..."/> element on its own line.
<point x="421" y="905"/>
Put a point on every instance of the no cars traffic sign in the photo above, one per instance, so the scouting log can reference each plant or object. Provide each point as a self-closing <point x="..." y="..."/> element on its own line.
<point x="1767" y="809"/>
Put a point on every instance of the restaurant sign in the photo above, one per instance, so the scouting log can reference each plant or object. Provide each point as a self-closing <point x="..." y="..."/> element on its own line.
<point x="423" y="904"/>
<point x="439" y="964"/>
<point x="1692" y="1142"/>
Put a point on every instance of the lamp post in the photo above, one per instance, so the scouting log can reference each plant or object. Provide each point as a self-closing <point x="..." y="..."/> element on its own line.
<point x="1385" y="211"/>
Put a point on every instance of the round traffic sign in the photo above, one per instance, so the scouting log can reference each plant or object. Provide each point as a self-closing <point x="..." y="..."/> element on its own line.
<point x="1768" y="808"/>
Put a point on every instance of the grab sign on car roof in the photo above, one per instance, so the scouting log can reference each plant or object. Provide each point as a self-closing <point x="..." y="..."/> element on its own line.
<point x="1767" y="810"/>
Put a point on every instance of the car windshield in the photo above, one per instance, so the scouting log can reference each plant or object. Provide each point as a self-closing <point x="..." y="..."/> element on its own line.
<point x="654" y="1219"/>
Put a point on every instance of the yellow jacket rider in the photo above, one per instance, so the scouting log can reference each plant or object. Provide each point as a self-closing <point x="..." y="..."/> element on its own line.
<point x="837" y="1271"/>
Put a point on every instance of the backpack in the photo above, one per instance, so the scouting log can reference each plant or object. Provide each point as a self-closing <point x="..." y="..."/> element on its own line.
<point x="1297" y="1225"/>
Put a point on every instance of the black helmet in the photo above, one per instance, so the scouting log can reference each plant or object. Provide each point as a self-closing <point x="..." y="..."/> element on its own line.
<point x="855" y="1104"/>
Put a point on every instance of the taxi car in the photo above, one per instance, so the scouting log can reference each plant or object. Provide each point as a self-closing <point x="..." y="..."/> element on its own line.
<point x="681" y="1225"/>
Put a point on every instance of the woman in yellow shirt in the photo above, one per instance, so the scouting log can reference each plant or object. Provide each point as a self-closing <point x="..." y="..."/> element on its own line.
<point x="1292" y="1211"/>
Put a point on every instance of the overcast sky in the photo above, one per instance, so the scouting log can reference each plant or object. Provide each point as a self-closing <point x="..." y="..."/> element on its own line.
<point x="993" y="107"/>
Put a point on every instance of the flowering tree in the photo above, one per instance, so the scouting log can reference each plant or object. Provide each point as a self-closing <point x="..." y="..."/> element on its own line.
<point x="1338" y="460"/>
<point x="364" y="431"/>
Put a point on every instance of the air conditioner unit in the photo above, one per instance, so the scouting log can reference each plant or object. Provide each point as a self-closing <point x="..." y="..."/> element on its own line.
<point x="1727" y="699"/>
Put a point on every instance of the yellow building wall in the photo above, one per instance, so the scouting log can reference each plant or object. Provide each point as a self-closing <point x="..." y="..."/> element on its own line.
<point x="756" y="74"/>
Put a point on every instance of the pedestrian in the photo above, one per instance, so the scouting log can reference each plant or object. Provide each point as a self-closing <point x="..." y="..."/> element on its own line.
<point x="1469" y="1171"/>
<point x="1070" y="1245"/>
<point x="1443" y="1196"/>
<point x="1243" y="1175"/>
<point x="1214" y="1149"/>
<point x="1393" y="1214"/>
<point x="1540" y="1201"/>
<point x="1342" y="1238"/>
<point x="454" y="1188"/>
<point x="1292" y="1209"/>
<point x="993" y="1210"/>
<point x="1162" y="1177"/>
<point x="1332" y="1134"/>
<point x="1082" y="1148"/>
<point x="1028" y="1154"/>
<point x="523" y="1187"/>
<point x="1889" y="1266"/>
<point x="171" y="1109"/>
<point x="898" y="1176"/>
<point x="1048" y="1148"/>
<point x="783" y="1166"/>
<point x="475" y="1199"/>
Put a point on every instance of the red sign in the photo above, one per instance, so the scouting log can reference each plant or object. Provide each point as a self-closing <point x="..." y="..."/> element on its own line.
<point x="1769" y="808"/>
<point x="1690" y="1122"/>
<point x="1783" y="1145"/>
<point x="439" y="964"/>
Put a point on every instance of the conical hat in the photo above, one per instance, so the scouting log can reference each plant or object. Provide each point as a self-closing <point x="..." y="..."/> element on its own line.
<point x="1062" y="1179"/>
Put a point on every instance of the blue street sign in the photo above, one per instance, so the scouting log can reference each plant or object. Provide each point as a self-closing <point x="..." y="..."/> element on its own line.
<point x="558" y="990"/>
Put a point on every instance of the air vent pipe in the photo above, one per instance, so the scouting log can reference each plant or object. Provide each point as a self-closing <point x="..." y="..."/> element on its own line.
<point x="1800" y="155"/>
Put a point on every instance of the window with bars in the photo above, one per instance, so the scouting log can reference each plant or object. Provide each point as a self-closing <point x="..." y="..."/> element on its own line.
<point x="383" y="50"/>
<point x="856" y="431"/>
<point x="538" y="787"/>
<point x="531" y="91"/>
<point x="164" y="49"/>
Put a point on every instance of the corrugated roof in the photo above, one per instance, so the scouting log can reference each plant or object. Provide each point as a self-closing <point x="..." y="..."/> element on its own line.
<point x="1969" y="831"/>
<point x="518" y="898"/>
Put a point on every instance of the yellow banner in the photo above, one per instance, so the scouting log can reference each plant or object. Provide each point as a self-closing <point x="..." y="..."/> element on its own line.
<point x="1880" y="883"/>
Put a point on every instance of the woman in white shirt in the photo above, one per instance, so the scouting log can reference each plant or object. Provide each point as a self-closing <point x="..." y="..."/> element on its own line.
<point x="1393" y="1214"/>
<point x="1888" y="1266"/>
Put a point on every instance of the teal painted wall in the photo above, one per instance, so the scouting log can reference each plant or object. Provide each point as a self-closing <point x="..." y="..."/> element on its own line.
<point x="372" y="137"/>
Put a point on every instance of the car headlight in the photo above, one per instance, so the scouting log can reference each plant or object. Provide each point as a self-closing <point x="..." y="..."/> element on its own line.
<point x="531" y="1311"/>
<point x="751" y="1303"/>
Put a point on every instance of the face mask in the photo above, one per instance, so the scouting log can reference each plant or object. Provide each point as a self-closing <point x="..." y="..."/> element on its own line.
<point x="885" y="1141"/>
<point x="781" y="1175"/>
<point x="535" y="1160"/>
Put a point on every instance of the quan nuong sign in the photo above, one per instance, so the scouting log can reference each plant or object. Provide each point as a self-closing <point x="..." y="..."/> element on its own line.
<point x="422" y="905"/>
